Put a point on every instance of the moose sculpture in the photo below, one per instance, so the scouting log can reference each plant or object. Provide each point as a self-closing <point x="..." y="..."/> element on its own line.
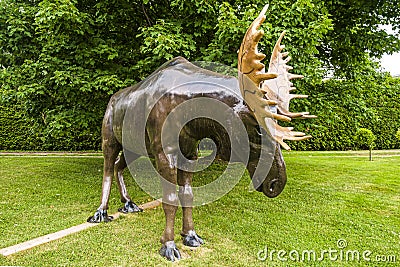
<point x="260" y="99"/>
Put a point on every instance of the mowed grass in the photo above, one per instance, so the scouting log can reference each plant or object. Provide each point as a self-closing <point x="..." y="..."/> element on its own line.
<point x="329" y="197"/>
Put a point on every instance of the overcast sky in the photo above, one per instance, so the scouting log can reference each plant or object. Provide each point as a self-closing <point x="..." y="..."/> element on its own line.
<point x="391" y="63"/>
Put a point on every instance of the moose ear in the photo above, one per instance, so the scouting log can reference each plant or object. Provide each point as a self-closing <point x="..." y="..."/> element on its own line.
<point x="267" y="93"/>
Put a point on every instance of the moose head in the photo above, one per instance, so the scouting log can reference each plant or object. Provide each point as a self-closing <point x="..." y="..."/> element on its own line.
<point x="267" y="95"/>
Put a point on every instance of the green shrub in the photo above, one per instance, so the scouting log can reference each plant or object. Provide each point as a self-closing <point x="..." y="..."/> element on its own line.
<point x="16" y="129"/>
<point x="365" y="138"/>
<point x="59" y="131"/>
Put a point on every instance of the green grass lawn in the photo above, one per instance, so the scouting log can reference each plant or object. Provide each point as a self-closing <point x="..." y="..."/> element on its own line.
<point x="329" y="196"/>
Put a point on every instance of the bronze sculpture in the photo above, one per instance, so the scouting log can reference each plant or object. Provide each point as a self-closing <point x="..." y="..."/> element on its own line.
<point x="265" y="99"/>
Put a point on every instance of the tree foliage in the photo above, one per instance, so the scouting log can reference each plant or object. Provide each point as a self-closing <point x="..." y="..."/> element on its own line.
<point x="358" y="33"/>
<point x="62" y="59"/>
<point x="365" y="138"/>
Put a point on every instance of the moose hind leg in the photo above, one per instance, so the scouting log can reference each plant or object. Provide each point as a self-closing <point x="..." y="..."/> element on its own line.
<point x="110" y="155"/>
<point x="120" y="165"/>
<point x="190" y="238"/>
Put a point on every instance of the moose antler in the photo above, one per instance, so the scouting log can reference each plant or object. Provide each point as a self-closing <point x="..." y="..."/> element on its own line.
<point x="268" y="94"/>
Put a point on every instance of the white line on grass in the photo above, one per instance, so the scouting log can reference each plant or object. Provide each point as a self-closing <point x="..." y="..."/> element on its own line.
<point x="60" y="234"/>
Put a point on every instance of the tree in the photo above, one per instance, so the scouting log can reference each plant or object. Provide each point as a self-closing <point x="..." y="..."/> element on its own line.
<point x="63" y="58"/>
<point x="358" y="34"/>
<point x="366" y="138"/>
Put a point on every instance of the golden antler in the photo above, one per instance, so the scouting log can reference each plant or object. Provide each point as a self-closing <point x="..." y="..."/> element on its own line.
<point x="266" y="94"/>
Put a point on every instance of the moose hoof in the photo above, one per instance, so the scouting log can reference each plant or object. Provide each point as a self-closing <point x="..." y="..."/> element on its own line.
<point x="170" y="251"/>
<point x="100" y="216"/>
<point x="130" y="207"/>
<point x="192" y="239"/>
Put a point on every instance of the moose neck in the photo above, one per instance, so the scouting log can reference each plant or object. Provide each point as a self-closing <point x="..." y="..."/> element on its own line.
<point x="202" y="128"/>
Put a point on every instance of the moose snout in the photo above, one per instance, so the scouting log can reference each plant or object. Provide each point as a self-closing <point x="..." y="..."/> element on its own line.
<point x="273" y="187"/>
<point x="275" y="181"/>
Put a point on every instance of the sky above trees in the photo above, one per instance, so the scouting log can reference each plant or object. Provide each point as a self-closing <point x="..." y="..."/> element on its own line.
<point x="391" y="63"/>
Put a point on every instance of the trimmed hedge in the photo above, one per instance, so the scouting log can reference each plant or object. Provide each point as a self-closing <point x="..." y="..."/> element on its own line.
<point x="16" y="131"/>
<point x="63" y="133"/>
<point x="342" y="108"/>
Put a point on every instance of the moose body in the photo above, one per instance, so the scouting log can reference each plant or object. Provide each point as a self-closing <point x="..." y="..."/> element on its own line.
<point x="134" y="100"/>
<point x="136" y="117"/>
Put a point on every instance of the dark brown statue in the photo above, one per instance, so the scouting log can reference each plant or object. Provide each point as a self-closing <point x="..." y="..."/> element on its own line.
<point x="140" y="112"/>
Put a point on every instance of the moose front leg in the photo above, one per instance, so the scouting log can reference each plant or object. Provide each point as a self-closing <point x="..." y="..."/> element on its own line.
<point x="190" y="238"/>
<point x="170" y="205"/>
